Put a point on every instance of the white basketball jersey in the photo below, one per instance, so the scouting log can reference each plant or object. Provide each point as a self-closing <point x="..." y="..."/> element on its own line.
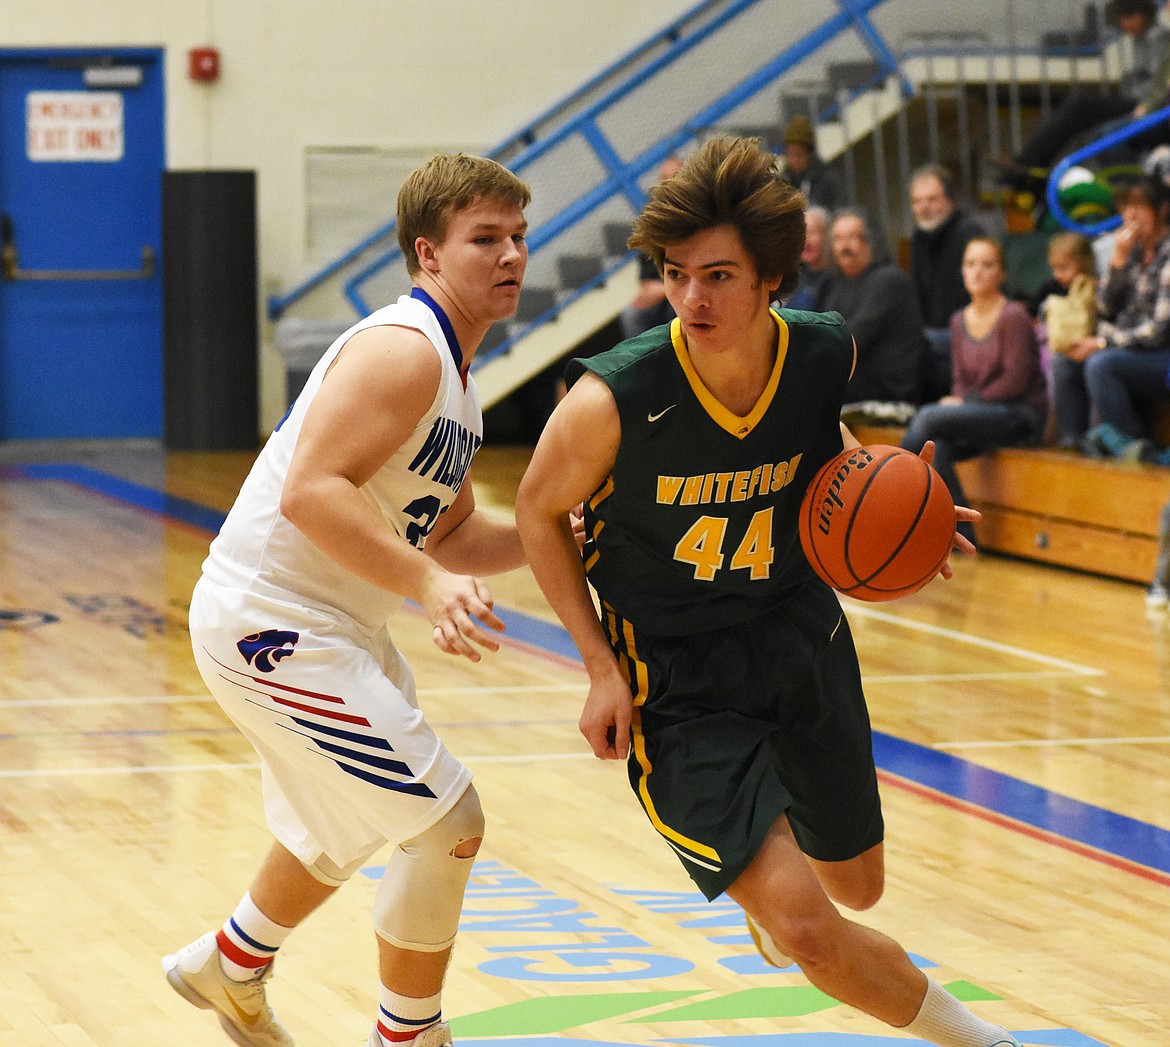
<point x="258" y="550"/>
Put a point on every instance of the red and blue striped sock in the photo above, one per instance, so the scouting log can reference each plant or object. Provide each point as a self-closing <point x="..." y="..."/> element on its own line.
<point x="402" y="1018"/>
<point x="248" y="941"/>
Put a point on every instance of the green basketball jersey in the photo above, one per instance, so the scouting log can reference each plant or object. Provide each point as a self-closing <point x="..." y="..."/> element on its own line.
<point x="695" y="527"/>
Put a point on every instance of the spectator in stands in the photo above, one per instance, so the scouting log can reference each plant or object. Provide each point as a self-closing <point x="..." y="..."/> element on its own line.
<point x="814" y="261"/>
<point x="820" y="184"/>
<point x="1065" y="305"/>
<point x="942" y="231"/>
<point x="1112" y="373"/>
<point x="649" y="307"/>
<point x="1070" y="255"/>
<point x="1143" y="89"/>
<point x="876" y="298"/>
<point x="999" y="397"/>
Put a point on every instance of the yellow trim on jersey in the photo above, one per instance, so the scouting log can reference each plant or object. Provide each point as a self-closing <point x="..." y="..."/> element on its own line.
<point x="644" y="791"/>
<point x="598" y="496"/>
<point x="735" y="424"/>
<point x="602" y="493"/>
<point x="637" y="673"/>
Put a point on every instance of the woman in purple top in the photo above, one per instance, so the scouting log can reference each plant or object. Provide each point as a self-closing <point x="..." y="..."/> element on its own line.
<point x="998" y="392"/>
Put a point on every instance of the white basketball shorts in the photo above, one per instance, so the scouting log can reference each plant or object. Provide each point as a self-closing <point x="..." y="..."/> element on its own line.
<point x="348" y="762"/>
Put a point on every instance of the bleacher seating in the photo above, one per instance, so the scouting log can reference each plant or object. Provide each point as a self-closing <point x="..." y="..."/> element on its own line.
<point x="1062" y="509"/>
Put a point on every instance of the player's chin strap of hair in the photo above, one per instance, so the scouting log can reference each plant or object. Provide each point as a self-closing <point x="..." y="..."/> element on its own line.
<point x="420" y="897"/>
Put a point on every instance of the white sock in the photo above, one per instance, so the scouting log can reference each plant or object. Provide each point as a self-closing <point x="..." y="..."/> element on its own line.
<point x="402" y="1018"/>
<point x="945" y="1021"/>
<point x="248" y="941"/>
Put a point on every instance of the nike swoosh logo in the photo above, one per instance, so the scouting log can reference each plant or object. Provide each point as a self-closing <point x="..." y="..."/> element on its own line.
<point x="245" y="1017"/>
<point x="655" y="417"/>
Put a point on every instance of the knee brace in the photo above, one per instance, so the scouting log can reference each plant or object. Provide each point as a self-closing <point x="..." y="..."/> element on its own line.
<point x="420" y="897"/>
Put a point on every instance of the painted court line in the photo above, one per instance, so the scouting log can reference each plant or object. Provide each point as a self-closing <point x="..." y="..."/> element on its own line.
<point x="1053" y="743"/>
<point x="185" y="768"/>
<point x="206" y="699"/>
<point x="1037" y="674"/>
<point x="79" y="772"/>
<point x="861" y="610"/>
<point x="51" y="703"/>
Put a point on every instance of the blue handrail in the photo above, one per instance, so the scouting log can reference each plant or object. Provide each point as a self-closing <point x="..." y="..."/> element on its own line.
<point x="277" y="304"/>
<point x="1108" y="141"/>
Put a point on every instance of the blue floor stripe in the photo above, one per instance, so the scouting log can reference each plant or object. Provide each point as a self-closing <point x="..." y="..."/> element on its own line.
<point x="538" y="633"/>
<point x="131" y="493"/>
<point x="952" y="776"/>
<point x="1035" y="806"/>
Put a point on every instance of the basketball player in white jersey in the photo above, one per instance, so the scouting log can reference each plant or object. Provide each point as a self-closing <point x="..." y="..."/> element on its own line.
<point x="288" y="622"/>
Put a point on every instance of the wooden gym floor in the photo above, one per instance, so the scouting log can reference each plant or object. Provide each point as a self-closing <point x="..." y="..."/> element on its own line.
<point x="1022" y="718"/>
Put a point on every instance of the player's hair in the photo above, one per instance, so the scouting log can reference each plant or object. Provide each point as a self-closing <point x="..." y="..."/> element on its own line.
<point x="445" y="184"/>
<point x="729" y="181"/>
<point x="1077" y="248"/>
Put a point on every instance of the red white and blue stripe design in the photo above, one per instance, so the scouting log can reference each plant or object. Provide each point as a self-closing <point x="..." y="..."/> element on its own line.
<point x="393" y="1029"/>
<point x="355" y="748"/>
<point x="242" y="949"/>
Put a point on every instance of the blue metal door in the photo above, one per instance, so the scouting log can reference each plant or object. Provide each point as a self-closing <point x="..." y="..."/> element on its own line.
<point x="81" y="160"/>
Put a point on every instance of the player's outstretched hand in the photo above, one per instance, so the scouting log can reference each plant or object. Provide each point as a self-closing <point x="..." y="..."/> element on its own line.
<point x="605" y="720"/>
<point x="457" y="605"/>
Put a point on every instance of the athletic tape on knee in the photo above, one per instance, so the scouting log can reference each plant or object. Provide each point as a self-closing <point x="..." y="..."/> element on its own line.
<point x="419" y="899"/>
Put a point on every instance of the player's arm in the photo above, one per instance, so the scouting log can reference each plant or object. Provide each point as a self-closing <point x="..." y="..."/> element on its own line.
<point x="466" y="538"/>
<point x="574" y="456"/>
<point x="376" y="392"/>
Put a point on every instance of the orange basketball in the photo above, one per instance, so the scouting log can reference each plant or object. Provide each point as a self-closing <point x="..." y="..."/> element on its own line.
<point x="877" y="523"/>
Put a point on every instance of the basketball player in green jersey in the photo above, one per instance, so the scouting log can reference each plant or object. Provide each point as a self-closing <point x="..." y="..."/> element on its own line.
<point x="720" y="666"/>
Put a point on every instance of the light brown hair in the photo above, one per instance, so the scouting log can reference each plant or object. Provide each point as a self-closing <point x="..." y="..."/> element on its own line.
<point x="445" y="184"/>
<point x="1077" y="248"/>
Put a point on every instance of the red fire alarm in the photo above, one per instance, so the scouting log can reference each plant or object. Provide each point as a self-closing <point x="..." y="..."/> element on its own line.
<point x="203" y="64"/>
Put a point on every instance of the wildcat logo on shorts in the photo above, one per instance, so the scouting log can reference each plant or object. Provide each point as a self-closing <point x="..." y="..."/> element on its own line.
<point x="265" y="648"/>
